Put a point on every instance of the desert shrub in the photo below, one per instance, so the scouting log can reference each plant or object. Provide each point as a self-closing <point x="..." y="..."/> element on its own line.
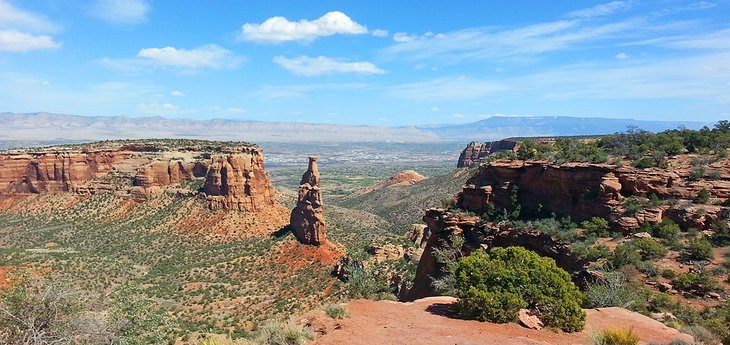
<point x="614" y="291"/>
<point x="363" y="282"/>
<point x="699" y="283"/>
<point x="696" y="174"/>
<point x="633" y="205"/>
<point x="703" y="196"/>
<point x="701" y="334"/>
<point x="37" y="314"/>
<point x="447" y="256"/>
<point x="493" y="286"/>
<point x="649" y="248"/>
<point x="625" y="254"/>
<point x="673" y="342"/>
<point x="669" y="274"/>
<point x="591" y="252"/>
<point x="615" y="336"/>
<point x="280" y="333"/>
<point x="643" y="163"/>
<point x="698" y="248"/>
<point x="596" y="226"/>
<point x="666" y="229"/>
<point x="336" y="311"/>
<point x="721" y="237"/>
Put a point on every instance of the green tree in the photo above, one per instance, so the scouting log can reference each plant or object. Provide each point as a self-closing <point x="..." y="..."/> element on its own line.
<point x="493" y="286"/>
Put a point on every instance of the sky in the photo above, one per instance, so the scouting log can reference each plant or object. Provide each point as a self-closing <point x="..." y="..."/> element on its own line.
<point x="378" y="62"/>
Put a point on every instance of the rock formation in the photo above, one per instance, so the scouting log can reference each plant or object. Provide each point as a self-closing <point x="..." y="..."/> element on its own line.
<point x="52" y="171"/>
<point x="307" y="218"/>
<point x="585" y="190"/>
<point x="233" y="177"/>
<point x="238" y="181"/>
<point x="443" y="225"/>
<point x="475" y="151"/>
<point x="401" y="178"/>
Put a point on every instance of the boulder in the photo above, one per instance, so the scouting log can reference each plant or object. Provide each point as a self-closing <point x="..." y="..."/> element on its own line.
<point x="528" y="320"/>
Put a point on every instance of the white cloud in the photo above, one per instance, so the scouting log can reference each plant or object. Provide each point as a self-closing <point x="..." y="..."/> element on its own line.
<point x="308" y="66"/>
<point x="176" y="93"/>
<point x="380" y="33"/>
<point x="279" y="29"/>
<point x="207" y="56"/>
<point x="435" y="109"/>
<point x="457" y="116"/>
<point x="622" y="56"/>
<point x="161" y="109"/>
<point x="447" y="89"/>
<point x="600" y="10"/>
<point x="15" y="41"/>
<point x="520" y="44"/>
<point x="121" y="11"/>
<point x="14" y="18"/>
<point x="23" y="31"/>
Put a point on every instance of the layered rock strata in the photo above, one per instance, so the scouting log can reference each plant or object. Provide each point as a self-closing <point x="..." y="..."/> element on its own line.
<point x="43" y="172"/>
<point x="232" y="177"/>
<point x="307" y="218"/>
<point x="584" y="190"/>
<point x="475" y="151"/>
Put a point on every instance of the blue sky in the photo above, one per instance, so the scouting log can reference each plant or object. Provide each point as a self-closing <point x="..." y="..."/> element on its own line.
<point x="387" y="63"/>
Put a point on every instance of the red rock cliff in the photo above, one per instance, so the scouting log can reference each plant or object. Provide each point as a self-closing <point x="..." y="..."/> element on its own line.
<point x="23" y="173"/>
<point x="584" y="190"/>
<point x="475" y="151"/>
<point x="237" y="180"/>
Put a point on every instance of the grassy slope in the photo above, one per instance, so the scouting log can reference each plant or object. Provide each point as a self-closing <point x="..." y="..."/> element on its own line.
<point x="401" y="206"/>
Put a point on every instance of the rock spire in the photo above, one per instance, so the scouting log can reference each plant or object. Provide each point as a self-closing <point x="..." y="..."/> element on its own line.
<point x="307" y="218"/>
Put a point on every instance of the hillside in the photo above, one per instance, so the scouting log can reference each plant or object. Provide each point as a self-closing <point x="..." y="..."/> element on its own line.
<point x="404" y="205"/>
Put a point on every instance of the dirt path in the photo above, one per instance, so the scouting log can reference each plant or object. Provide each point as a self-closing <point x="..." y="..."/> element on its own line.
<point x="422" y="322"/>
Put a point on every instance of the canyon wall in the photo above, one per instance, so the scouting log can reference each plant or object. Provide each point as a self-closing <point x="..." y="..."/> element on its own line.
<point x="42" y="172"/>
<point x="232" y="177"/>
<point x="584" y="190"/>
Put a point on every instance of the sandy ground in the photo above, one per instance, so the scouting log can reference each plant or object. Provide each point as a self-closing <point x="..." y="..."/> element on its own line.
<point x="424" y="322"/>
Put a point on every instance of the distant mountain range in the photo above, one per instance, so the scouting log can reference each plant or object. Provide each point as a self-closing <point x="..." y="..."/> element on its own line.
<point x="49" y="127"/>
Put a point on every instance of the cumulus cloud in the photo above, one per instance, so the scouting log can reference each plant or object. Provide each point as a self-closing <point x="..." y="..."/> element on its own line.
<point x="279" y="29"/>
<point x="177" y="93"/>
<point x="22" y="31"/>
<point x="207" y="56"/>
<point x="121" y="11"/>
<point x="308" y="66"/>
<point x="622" y="56"/>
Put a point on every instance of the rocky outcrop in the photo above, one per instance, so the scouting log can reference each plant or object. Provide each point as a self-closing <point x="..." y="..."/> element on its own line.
<point x="237" y="180"/>
<point x="584" y="190"/>
<point x="53" y="171"/>
<point x="232" y="176"/>
<point x="402" y="178"/>
<point x="307" y="218"/>
<point x="475" y="151"/>
<point x="168" y="172"/>
<point x="444" y="225"/>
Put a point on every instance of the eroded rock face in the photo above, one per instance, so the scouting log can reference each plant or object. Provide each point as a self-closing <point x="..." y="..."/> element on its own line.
<point x="475" y="151"/>
<point x="238" y="181"/>
<point x="233" y="177"/>
<point x="43" y="172"/>
<point x="307" y="218"/>
<point x="584" y="190"/>
<point x="444" y="225"/>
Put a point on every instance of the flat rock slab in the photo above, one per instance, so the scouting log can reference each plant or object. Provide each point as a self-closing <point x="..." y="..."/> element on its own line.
<point x="425" y="321"/>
